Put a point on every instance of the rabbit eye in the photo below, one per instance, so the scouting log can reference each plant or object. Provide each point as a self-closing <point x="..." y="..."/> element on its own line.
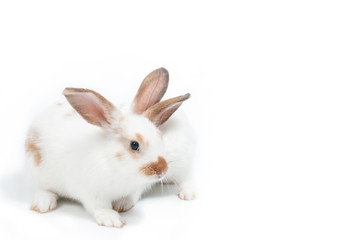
<point x="134" y="145"/>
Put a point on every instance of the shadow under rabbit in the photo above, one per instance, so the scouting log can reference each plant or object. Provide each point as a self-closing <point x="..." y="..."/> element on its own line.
<point x="159" y="190"/>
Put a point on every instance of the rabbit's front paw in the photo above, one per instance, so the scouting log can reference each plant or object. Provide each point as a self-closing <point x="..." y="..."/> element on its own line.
<point x="44" y="201"/>
<point x="187" y="193"/>
<point x="109" y="218"/>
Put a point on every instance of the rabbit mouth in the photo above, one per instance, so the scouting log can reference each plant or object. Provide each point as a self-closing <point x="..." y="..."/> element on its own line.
<point x="160" y="176"/>
<point x="158" y="168"/>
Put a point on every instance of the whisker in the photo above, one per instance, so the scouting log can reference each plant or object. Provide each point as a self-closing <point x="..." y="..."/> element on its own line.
<point x="172" y="180"/>
<point x="167" y="179"/>
<point x="161" y="186"/>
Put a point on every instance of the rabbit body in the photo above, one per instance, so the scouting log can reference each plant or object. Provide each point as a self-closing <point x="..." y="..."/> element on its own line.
<point x="108" y="164"/>
<point x="77" y="158"/>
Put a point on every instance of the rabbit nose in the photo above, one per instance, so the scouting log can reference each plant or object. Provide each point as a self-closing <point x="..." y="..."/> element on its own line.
<point x="156" y="168"/>
<point x="160" y="175"/>
<point x="161" y="166"/>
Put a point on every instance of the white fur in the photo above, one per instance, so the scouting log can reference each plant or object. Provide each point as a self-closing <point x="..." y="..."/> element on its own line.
<point x="179" y="141"/>
<point x="78" y="160"/>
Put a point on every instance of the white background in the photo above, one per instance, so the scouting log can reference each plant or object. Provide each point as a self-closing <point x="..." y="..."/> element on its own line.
<point x="275" y="102"/>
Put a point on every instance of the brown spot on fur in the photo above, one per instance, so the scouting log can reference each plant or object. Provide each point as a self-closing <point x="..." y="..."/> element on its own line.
<point x="59" y="104"/>
<point x="133" y="153"/>
<point x="160" y="133"/>
<point x="140" y="139"/>
<point x="70" y="114"/>
<point x="158" y="167"/>
<point x="119" y="155"/>
<point x="33" y="148"/>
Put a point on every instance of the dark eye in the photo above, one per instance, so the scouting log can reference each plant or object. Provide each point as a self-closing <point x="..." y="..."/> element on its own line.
<point x="134" y="145"/>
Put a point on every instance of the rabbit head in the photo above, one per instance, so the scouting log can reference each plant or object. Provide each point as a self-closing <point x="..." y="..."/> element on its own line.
<point x="135" y="137"/>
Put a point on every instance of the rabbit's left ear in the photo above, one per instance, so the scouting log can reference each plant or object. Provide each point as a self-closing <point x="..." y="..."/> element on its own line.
<point x="92" y="106"/>
<point x="161" y="112"/>
<point x="151" y="90"/>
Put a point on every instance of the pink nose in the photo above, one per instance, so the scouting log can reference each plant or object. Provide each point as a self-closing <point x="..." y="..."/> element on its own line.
<point x="160" y="175"/>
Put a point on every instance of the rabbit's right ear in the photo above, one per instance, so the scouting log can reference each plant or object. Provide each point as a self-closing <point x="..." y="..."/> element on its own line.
<point x="151" y="90"/>
<point x="92" y="106"/>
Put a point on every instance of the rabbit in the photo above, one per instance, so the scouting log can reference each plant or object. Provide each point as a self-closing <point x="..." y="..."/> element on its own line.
<point x="107" y="163"/>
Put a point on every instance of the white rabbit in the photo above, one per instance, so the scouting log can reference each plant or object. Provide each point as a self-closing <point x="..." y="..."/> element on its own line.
<point x="107" y="164"/>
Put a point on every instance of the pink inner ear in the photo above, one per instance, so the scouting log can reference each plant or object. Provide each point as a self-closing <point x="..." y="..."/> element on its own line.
<point x="151" y="90"/>
<point x="92" y="106"/>
<point x="161" y="112"/>
<point x="164" y="116"/>
<point x="149" y="97"/>
<point x="89" y="108"/>
<point x="95" y="109"/>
